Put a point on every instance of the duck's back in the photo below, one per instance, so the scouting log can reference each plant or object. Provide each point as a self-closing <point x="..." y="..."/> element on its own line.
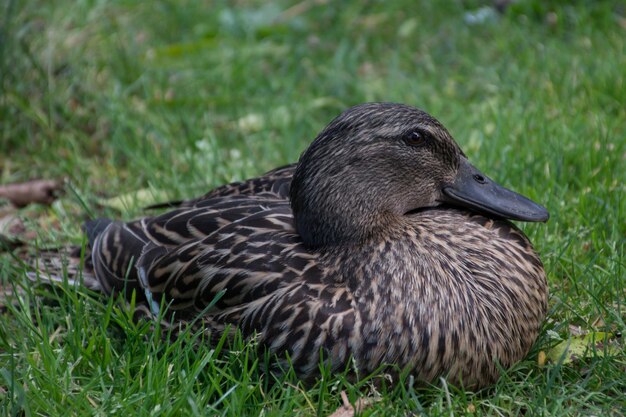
<point x="273" y="184"/>
<point x="116" y="247"/>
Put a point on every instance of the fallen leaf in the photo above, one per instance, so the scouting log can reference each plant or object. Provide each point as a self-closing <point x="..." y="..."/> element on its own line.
<point x="348" y="410"/>
<point x="583" y="346"/>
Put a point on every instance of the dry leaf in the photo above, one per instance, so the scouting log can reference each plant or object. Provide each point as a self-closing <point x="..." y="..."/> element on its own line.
<point x="347" y="410"/>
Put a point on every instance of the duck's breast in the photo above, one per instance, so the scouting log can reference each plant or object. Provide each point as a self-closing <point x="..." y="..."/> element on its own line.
<point x="454" y="294"/>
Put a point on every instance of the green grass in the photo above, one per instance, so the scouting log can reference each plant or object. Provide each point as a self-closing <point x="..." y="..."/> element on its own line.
<point x="116" y="96"/>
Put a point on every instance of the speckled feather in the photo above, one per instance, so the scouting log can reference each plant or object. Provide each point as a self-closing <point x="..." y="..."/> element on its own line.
<point x="372" y="266"/>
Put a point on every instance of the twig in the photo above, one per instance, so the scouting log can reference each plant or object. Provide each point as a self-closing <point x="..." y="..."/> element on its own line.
<point x="35" y="191"/>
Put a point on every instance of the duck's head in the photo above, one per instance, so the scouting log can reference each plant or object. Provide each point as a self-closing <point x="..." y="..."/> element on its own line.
<point x="377" y="162"/>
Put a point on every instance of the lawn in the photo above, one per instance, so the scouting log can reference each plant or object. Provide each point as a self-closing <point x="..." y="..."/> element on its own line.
<point x="176" y="97"/>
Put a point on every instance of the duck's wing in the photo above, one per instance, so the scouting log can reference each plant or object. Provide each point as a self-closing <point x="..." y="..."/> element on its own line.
<point x="116" y="246"/>
<point x="250" y="258"/>
<point x="273" y="185"/>
<point x="256" y="275"/>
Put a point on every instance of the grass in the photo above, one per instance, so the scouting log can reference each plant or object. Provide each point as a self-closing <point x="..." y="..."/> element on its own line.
<point x="116" y="96"/>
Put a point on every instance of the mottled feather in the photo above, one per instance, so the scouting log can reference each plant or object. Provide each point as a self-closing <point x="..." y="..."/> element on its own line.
<point x="352" y="253"/>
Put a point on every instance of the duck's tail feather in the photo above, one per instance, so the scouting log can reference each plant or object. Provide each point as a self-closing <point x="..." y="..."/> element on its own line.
<point x="93" y="228"/>
<point x="115" y="247"/>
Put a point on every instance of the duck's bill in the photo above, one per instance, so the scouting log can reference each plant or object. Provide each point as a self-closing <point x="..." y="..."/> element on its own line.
<point x="474" y="190"/>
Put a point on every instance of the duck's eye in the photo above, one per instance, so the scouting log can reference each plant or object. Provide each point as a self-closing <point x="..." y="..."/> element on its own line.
<point x="414" y="139"/>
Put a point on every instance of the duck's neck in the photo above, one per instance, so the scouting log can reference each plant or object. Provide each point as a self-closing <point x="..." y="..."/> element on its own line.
<point x="323" y="225"/>
<point x="338" y="200"/>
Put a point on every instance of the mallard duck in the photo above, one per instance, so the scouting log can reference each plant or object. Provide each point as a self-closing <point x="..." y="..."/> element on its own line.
<point x="383" y="245"/>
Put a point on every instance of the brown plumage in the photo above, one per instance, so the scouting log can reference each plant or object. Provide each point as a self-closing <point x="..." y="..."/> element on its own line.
<point x="382" y="244"/>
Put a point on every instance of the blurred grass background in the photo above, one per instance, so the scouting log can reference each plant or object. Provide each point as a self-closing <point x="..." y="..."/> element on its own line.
<point x="181" y="96"/>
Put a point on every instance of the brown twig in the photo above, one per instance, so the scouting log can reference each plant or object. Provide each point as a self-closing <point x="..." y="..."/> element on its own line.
<point x="35" y="191"/>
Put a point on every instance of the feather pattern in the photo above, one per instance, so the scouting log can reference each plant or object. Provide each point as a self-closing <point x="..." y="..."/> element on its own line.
<point x="355" y="252"/>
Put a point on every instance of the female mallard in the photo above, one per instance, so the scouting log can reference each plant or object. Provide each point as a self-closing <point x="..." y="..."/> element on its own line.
<point x="383" y="244"/>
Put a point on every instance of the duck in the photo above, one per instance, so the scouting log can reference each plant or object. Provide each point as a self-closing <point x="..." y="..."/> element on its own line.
<point x="383" y="247"/>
